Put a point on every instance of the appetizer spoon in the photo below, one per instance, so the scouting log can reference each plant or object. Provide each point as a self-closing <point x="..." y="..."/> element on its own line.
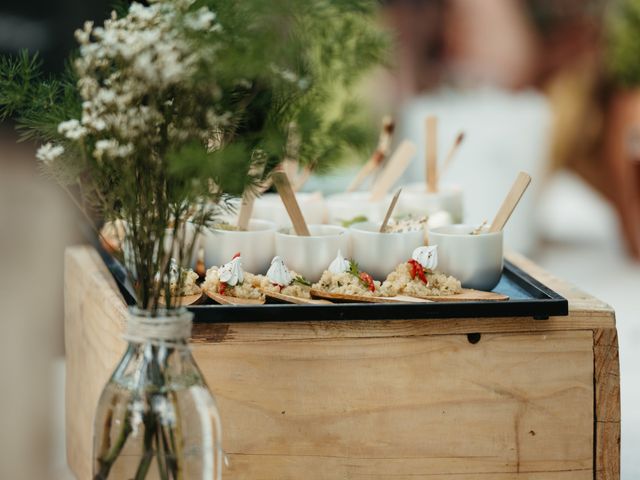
<point x="510" y="202"/>
<point x="184" y="300"/>
<point x="392" y="206"/>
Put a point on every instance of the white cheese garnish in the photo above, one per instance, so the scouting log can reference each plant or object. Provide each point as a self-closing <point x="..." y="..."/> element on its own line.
<point x="339" y="264"/>
<point x="426" y="256"/>
<point x="278" y="272"/>
<point x="231" y="273"/>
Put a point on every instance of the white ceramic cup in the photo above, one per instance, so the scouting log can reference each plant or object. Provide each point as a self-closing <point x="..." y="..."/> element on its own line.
<point x="344" y="207"/>
<point x="256" y="245"/>
<point x="270" y="207"/>
<point x="475" y="260"/>
<point x="311" y="256"/>
<point x="415" y="200"/>
<point x="380" y="253"/>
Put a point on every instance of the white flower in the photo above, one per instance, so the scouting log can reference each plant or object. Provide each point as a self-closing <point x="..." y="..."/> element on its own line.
<point x="72" y="129"/>
<point x="48" y="152"/>
<point x="199" y="20"/>
<point x="82" y="36"/>
<point x="164" y="410"/>
<point x="136" y="411"/>
<point x="111" y="148"/>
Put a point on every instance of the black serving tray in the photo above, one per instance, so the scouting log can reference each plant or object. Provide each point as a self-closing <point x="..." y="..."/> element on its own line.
<point x="527" y="298"/>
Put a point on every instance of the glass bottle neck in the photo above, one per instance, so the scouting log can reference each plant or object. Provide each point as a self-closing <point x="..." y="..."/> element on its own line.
<point x="169" y="328"/>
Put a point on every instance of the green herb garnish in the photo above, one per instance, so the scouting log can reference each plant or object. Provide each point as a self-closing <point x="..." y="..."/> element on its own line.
<point x="302" y="281"/>
<point x="358" y="219"/>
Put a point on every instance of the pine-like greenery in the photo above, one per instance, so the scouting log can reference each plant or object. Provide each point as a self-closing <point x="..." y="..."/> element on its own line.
<point x="283" y="70"/>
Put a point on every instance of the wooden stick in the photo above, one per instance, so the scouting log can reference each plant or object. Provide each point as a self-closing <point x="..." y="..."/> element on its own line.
<point x="392" y="205"/>
<point x="246" y="209"/>
<point x="248" y="198"/>
<point x="431" y="171"/>
<point x="282" y="184"/>
<point x="449" y="158"/>
<point x="396" y="166"/>
<point x="382" y="150"/>
<point x="510" y="202"/>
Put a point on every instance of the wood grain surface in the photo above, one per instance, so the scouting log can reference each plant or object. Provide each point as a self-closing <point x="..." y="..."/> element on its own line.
<point x="519" y="399"/>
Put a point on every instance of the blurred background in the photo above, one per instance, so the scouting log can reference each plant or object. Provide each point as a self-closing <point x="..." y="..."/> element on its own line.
<point x="551" y="87"/>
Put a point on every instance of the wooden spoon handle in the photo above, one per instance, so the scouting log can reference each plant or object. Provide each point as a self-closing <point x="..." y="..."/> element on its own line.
<point x="392" y="205"/>
<point x="510" y="202"/>
<point x="282" y="184"/>
<point x="396" y="166"/>
<point x="245" y="210"/>
<point x="431" y="126"/>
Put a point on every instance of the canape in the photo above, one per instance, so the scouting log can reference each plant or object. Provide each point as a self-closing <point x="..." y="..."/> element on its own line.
<point x="344" y="277"/>
<point x="418" y="277"/>
<point x="182" y="286"/>
<point x="281" y="281"/>
<point x="230" y="281"/>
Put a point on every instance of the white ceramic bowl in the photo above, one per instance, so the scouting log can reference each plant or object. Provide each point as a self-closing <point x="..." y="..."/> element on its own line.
<point x="415" y="200"/>
<point x="257" y="246"/>
<point x="380" y="253"/>
<point x="343" y="207"/>
<point x="270" y="207"/>
<point x="310" y="256"/>
<point x="475" y="260"/>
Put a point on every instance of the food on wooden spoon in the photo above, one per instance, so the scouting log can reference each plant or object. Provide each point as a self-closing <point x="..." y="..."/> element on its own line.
<point x="418" y="277"/>
<point x="182" y="285"/>
<point x="279" y="279"/>
<point x="407" y="224"/>
<point x="230" y="280"/>
<point x="344" y="277"/>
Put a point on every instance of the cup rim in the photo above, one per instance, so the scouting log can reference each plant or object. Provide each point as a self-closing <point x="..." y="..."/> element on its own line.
<point x="415" y="187"/>
<point x="376" y="232"/>
<point x="270" y="227"/>
<point x="438" y="231"/>
<point x="340" y="232"/>
<point x="303" y="197"/>
<point x="360" y="195"/>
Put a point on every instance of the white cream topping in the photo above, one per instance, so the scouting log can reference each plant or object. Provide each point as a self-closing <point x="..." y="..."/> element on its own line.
<point x="278" y="272"/>
<point x="426" y="256"/>
<point x="339" y="264"/>
<point x="231" y="273"/>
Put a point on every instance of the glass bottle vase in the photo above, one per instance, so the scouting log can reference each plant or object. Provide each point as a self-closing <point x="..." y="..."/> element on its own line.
<point x="156" y="418"/>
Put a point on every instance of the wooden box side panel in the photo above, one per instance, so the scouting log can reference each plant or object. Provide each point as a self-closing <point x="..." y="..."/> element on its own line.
<point x="607" y="405"/>
<point x="94" y="318"/>
<point x="510" y="406"/>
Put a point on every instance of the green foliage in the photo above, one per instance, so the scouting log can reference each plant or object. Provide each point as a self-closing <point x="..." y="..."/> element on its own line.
<point x="623" y="42"/>
<point x="40" y="103"/>
<point x="276" y="78"/>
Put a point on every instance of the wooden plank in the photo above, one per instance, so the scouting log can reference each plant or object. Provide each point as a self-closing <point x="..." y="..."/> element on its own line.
<point x="95" y="316"/>
<point x="607" y="404"/>
<point x="509" y="406"/>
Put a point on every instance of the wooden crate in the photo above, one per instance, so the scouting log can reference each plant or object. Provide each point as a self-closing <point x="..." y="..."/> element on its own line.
<point x="379" y="399"/>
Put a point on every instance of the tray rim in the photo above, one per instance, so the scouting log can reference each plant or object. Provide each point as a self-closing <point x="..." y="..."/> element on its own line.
<point x="550" y="304"/>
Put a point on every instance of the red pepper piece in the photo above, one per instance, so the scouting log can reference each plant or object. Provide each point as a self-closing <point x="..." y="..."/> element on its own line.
<point x="368" y="280"/>
<point x="222" y="288"/>
<point x="235" y="256"/>
<point x="417" y="270"/>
